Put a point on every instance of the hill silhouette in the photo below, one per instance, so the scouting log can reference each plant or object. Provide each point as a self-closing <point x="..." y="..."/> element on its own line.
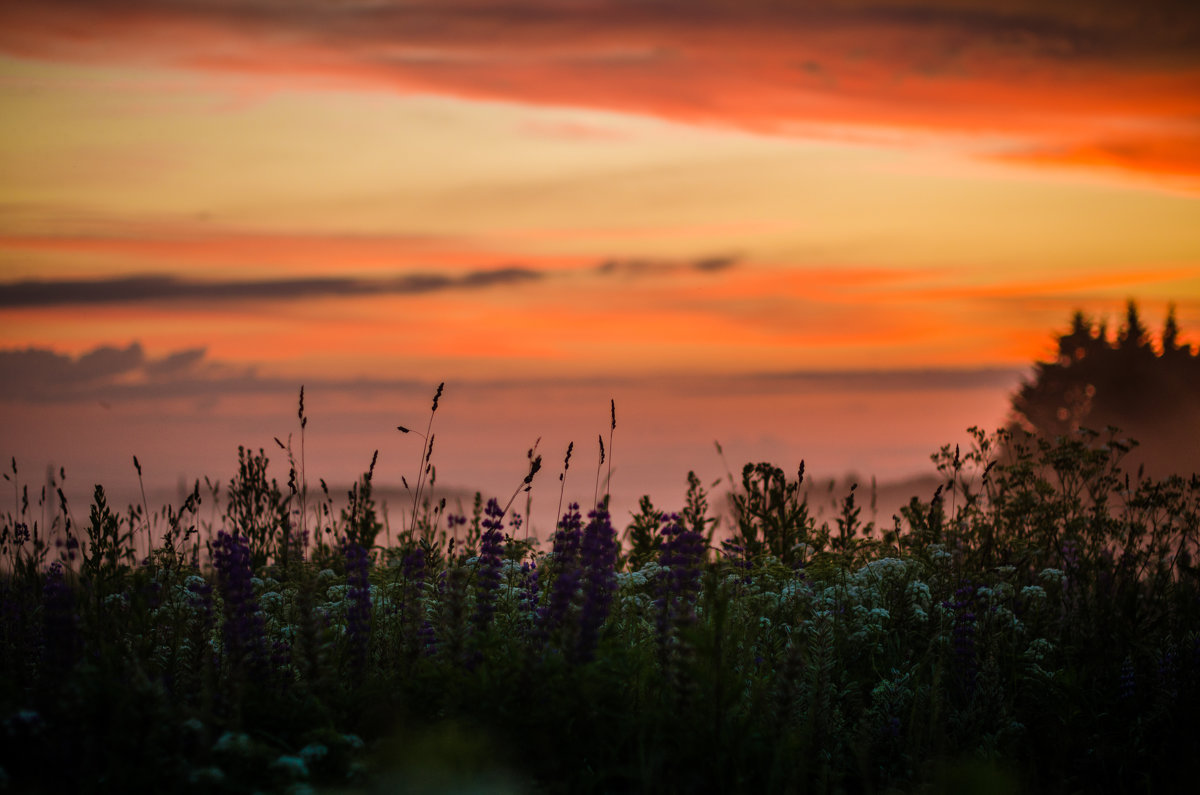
<point x="1149" y="389"/>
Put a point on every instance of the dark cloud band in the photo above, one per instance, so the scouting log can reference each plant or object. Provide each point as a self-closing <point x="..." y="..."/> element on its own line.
<point x="159" y="287"/>
<point x="137" y="289"/>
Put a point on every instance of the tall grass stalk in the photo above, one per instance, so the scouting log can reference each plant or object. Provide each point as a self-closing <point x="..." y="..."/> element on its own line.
<point x="426" y="455"/>
<point x="599" y="469"/>
<point x="562" y="481"/>
<point x="535" y="466"/>
<point x="612" y="405"/>
<point x="145" y="506"/>
<point x="303" y="477"/>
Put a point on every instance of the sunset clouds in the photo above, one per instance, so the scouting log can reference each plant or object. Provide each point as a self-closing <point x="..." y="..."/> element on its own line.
<point x="204" y="204"/>
<point x="1105" y="83"/>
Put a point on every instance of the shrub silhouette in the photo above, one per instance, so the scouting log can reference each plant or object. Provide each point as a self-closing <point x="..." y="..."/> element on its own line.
<point x="1152" y="393"/>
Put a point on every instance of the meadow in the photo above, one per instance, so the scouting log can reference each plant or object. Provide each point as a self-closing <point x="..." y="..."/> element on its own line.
<point x="1031" y="626"/>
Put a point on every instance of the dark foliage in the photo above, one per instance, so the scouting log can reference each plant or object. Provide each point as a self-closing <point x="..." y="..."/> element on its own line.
<point x="1033" y="626"/>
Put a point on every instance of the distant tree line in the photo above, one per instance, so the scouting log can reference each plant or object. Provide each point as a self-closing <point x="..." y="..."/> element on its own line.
<point x="1151" y="392"/>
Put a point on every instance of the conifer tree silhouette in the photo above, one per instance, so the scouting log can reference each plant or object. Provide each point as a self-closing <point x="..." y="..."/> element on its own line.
<point x="1151" y="394"/>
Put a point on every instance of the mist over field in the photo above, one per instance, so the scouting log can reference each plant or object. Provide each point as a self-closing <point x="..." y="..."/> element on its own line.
<point x="848" y="425"/>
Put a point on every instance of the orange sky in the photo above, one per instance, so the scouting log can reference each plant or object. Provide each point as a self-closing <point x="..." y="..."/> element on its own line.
<point x="483" y="192"/>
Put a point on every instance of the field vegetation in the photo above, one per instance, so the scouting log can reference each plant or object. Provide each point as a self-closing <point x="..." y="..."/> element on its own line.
<point x="1031" y="626"/>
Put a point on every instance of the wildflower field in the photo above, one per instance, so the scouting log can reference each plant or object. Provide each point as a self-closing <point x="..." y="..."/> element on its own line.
<point x="1032" y="626"/>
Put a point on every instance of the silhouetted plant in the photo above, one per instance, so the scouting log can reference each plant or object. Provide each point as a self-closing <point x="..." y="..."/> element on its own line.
<point x="107" y="557"/>
<point x="771" y="515"/>
<point x="360" y="519"/>
<point x="256" y="507"/>
<point x="642" y="535"/>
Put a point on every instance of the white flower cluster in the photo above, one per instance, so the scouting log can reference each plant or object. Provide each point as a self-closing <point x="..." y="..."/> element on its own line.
<point x="1033" y="593"/>
<point x="179" y="602"/>
<point x="1038" y="650"/>
<point x="919" y="599"/>
<point x="116" y="601"/>
<point x="314" y="752"/>
<point x="207" y="776"/>
<point x="888" y="569"/>
<point x="510" y="572"/>
<point x="234" y="743"/>
<point x="272" y="602"/>
<point x="938" y="554"/>
<point x="1051" y="576"/>
<point x="293" y="767"/>
<point x="635" y="602"/>
<point x="642" y="578"/>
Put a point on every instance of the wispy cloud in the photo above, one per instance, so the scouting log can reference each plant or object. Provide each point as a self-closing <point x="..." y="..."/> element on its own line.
<point x="32" y="293"/>
<point x="137" y="289"/>
<point x="1069" y="78"/>
<point x="646" y="267"/>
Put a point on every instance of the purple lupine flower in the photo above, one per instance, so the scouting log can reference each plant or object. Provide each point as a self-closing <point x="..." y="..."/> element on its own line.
<point x="1168" y="671"/>
<point x="1070" y="557"/>
<point x="598" y="551"/>
<point x="530" y="588"/>
<point x="487" y="577"/>
<point x="201" y="595"/>
<point x="1128" y="680"/>
<point x="358" y="617"/>
<point x="567" y="538"/>
<point x="428" y="638"/>
<point x="60" y="632"/>
<point x="681" y="557"/>
<point x="414" y="586"/>
<point x="554" y="617"/>
<point x="244" y="625"/>
<point x="963" y="635"/>
<point x="453" y="585"/>
<point x="152" y="593"/>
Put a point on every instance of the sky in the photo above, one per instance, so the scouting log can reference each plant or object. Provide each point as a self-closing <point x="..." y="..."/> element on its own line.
<point x="840" y="230"/>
